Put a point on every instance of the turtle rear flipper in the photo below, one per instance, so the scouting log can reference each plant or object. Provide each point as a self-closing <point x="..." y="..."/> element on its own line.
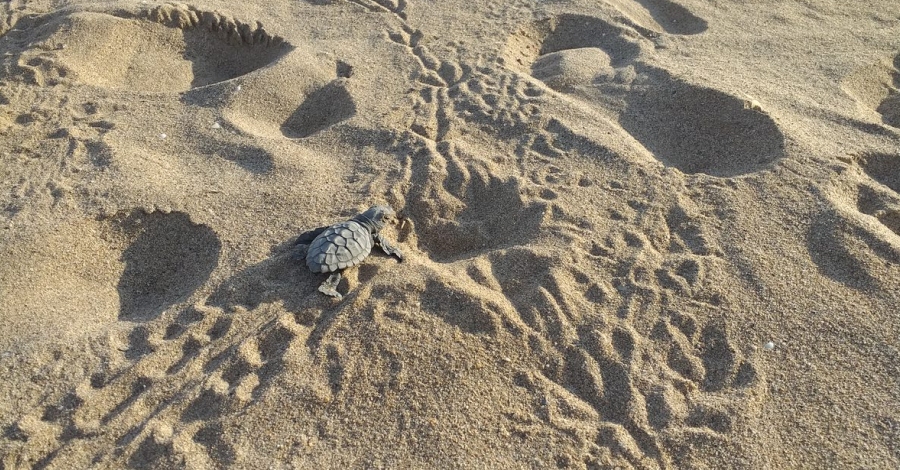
<point x="301" y="244"/>
<point x="306" y="238"/>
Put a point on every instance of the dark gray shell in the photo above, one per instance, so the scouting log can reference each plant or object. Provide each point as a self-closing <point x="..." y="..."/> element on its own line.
<point x="339" y="246"/>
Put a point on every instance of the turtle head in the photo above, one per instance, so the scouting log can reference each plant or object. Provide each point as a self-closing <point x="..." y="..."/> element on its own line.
<point x="376" y="217"/>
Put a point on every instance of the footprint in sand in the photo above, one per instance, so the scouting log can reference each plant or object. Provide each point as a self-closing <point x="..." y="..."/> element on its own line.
<point x="168" y="258"/>
<point x="877" y="89"/>
<point x="296" y="98"/>
<point x="686" y="126"/>
<point x="96" y="271"/>
<point x="857" y="239"/>
<point x="662" y="15"/>
<point x="129" y="49"/>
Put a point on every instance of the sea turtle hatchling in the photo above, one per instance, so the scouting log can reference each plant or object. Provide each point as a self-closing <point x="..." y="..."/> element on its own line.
<point x="342" y="245"/>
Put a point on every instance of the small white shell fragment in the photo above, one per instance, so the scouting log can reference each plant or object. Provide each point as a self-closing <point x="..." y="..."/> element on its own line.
<point x="751" y="103"/>
<point x="769" y="346"/>
<point x="216" y="125"/>
<point x="162" y="136"/>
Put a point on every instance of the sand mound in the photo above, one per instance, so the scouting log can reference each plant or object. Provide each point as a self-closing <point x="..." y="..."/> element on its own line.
<point x="87" y="272"/>
<point x="858" y="254"/>
<point x="699" y="130"/>
<point x="566" y="32"/>
<point x="129" y="49"/>
<point x="883" y="168"/>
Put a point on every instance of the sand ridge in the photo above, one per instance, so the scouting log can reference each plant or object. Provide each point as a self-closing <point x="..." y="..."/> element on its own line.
<point x="622" y="251"/>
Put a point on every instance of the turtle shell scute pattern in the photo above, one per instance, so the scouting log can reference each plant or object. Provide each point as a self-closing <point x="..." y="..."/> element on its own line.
<point x="340" y="246"/>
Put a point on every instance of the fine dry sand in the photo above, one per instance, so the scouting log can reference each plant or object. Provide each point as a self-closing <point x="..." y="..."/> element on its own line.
<point x="638" y="234"/>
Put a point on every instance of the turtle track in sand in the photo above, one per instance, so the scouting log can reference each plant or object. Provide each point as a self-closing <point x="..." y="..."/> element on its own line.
<point x="572" y="313"/>
<point x="581" y="337"/>
<point x="145" y="406"/>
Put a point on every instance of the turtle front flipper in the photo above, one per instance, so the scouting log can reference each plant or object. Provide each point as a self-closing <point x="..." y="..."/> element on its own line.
<point x="329" y="287"/>
<point x="389" y="249"/>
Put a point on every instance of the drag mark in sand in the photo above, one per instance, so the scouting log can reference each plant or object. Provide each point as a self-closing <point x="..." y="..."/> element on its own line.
<point x="462" y="209"/>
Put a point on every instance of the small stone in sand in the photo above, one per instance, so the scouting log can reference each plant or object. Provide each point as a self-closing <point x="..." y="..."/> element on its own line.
<point x="216" y="125"/>
<point x="162" y="136"/>
<point x="769" y="346"/>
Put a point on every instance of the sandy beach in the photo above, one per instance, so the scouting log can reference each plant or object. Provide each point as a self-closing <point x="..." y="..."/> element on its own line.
<point x="649" y="234"/>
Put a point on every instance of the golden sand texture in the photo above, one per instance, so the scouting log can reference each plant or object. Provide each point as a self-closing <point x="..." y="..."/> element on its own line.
<point x="647" y="234"/>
